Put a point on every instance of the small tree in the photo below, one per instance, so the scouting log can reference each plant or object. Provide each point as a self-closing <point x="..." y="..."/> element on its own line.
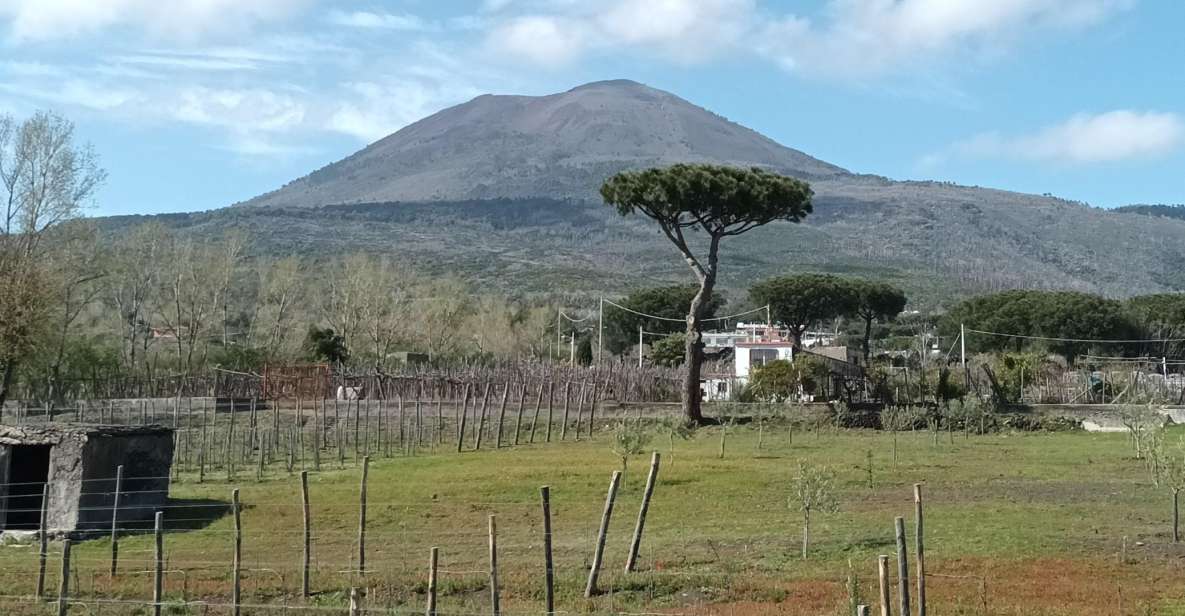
<point x="326" y="345"/>
<point x="719" y="202"/>
<point x="1138" y="419"/>
<point x="629" y="439"/>
<point x="1170" y="472"/>
<point x="814" y="490"/>
<point x="676" y="429"/>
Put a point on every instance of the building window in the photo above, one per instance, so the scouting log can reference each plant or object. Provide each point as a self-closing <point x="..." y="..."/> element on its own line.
<point x="760" y="357"/>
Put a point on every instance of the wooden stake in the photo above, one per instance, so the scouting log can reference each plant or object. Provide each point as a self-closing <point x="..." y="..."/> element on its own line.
<point x="64" y="581"/>
<point x="599" y="553"/>
<point x="861" y="610"/>
<point x="902" y="567"/>
<point x="481" y="422"/>
<point x="921" y="550"/>
<point x="636" y="543"/>
<point x="882" y="568"/>
<point x="158" y="571"/>
<point x="522" y="403"/>
<point x="538" y="406"/>
<point x="502" y="416"/>
<point x="362" y="517"/>
<point x="433" y="561"/>
<point x="115" y="517"/>
<point x="564" y="425"/>
<point x="550" y="407"/>
<point x="306" y="555"/>
<point x="237" y="566"/>
<point x="548" y="571"/>
<point x="354" y="609"/>
<point x="464" y="419"/>
<point x="495" y="599"/>
<point x="43" y="553"/>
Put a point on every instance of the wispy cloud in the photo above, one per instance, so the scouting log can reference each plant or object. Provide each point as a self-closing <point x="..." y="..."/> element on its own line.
<point x="1082" y="139"/>
<point x="45" y="20"/>
<point x="683" y="31"/>
<point x="857" y="39"/>
<point x="381" y="20"/>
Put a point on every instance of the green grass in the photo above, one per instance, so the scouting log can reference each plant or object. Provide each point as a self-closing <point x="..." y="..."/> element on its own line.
<point x="1040" y="518"/>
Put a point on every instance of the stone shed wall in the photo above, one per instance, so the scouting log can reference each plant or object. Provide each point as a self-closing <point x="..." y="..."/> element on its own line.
<point x="147" y="461"/>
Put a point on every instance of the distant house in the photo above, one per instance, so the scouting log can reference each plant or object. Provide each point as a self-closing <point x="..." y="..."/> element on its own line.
<point x="750" y="355"/>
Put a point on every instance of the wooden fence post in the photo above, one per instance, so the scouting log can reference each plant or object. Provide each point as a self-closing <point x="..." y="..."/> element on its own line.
<point x="64" y="582"/>
<point x="599" y="553"/>
<point x="522" y="403"/>
<point x="306" y="555"/>
<point x="115" y="520"/>
<point x="502" y="415"/>
<point x="481" y="421"/>
<point x="548" y="571"/>
<point x="882" y="569"/>
<point x="921" y="552"/>
<point x="463" y="419"/>
<point x="433" y="562"/>
<point x="237" y="566"/>
<point x="362" y="517"/>
<point x="158" y="570"/>
<point x="567" y="397"/>
<point x="43" y="552"/>
<point x="636" y="543"/>
<point x="495" y="599"/>
<point x="861" y="610"/>
<point x="550" y="407"/>
<point x="902" y="567"/>
<point x="354" y="608"/>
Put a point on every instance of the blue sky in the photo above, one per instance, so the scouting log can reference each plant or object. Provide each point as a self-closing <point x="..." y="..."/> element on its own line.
<point x="197" y="104"/>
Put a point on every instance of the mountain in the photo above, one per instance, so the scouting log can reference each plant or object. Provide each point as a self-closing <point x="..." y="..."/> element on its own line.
<point x="503" y="189"/>
<point x="560" y="146"/>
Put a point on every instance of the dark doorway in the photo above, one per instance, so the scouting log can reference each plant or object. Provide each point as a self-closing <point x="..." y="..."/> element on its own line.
<point x="28" y="470"/>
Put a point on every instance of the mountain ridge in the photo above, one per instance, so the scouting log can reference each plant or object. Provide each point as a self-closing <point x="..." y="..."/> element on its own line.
<point x="503" y="189"/>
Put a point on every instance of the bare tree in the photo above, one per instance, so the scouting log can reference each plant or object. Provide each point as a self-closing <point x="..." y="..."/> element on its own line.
<point x="45" y="180"/>
<point x="133" y="278"/>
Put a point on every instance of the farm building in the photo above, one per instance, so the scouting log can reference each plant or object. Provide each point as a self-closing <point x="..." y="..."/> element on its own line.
<point x="79" y="463"/>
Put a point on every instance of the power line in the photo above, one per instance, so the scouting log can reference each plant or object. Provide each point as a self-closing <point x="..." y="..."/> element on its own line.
<point x="1084" y="340"/>
<point x="658" y="318"/>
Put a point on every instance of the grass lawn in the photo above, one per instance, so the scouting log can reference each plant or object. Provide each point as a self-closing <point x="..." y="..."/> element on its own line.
<point x="1016" y="523"/>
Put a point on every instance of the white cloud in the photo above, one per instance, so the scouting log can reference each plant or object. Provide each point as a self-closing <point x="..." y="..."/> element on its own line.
<point x="1082" y="139"/>
<point x="862" y="38"/>
<point x="380" y="20"/>
<point x="375" y="110"/>
<point x="42" y="20"/>
<point x="245" y="110"/>
<point x="681" y="30"/>
<point x="545" y="41"/>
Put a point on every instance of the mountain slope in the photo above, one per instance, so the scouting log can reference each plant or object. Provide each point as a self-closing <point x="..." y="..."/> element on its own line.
<point x="503" y="190"/>
<point x="558" y="146"/>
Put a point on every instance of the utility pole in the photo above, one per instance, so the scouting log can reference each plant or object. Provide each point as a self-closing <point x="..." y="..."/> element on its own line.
<point x="600" y="327"/>
<point x="963" y="352"/>
<point x="572" y="350"/>
<point x="559" y="331"/>
<point x="640" y="346"/>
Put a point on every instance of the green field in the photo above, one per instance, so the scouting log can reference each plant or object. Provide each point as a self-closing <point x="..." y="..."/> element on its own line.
<point x="1016" y="523"/>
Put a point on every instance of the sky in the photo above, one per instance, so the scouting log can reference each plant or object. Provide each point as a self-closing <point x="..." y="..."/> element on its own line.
<point x="197" y="104"/>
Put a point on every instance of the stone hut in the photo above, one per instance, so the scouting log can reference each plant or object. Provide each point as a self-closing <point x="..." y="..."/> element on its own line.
<point x="79" y="464"/>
